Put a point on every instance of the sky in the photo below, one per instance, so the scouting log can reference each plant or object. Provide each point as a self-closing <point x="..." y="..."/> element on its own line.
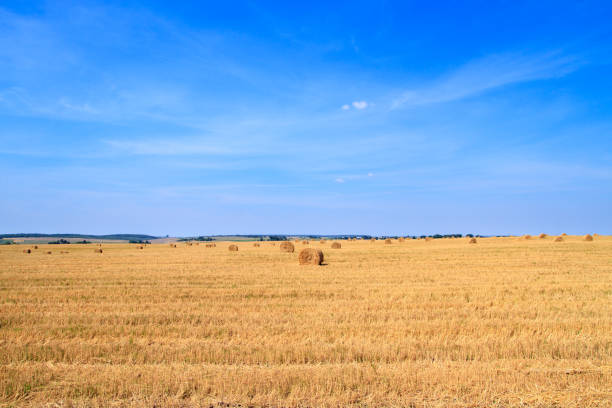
<point x="383" y="118"/>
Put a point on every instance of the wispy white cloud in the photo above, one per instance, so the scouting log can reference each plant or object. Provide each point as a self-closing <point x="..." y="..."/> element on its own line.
<point x="353" y="177"/>
<point x="164" y="147"/>
<point x="493" y="71"/>
<point x="357" y="105"/>
<point x="84" y="108"/>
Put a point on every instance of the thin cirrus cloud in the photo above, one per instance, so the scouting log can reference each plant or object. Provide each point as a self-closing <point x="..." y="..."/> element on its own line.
<point x="490" y="72"/>
<point x="175" y="147"/>
<point x="353" y="177"/>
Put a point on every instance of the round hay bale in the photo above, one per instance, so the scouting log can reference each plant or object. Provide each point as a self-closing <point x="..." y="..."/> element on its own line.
<point x="233" y="247"/>
<point x="305" y="242"/>
<point x="322" y="241"/>
<point x="564" y="235"/>
<point x="287" y="247"/>
<point x="388" y="241"/>
<point x="98" y="250"/>
<point x="256" y="245"/>
<point x="211" y="245"/>
<point x="427" y="239"/>
<point x="372" y="239"/>
<point x="473" y="240"/>
<point x="526" y="236"/>
<point x="542" y="236"/>
<point x="141" y="247"/>
<point x="588" y="237"/>
<point x="35" y="246"/>
<point x="336" y="245"/>
<point x="48" y="252"/>
<point x="27" y="251"/>
<point x="559" y="239"/>
<point x="273" y="243"/>
<point x="401" y="239"/>
<point x="311" y="256"/>
<point x="172" y="245"/>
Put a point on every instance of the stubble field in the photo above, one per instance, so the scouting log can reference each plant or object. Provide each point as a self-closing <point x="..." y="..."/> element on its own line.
<point x="505" y="322"/>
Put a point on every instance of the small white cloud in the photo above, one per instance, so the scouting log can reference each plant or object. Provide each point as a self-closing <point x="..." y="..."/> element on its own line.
<point x="339" y="180"/>
<point x="345" y="107"/>
<point x="370" y="174"/>
<point x="360" y="104"/>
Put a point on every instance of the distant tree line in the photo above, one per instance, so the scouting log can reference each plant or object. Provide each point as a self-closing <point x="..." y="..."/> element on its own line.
<point x="59" y="241"/>
<point x="65" y="241"/>
<point x="438" y="236"/>
<point x="256" y="237"/>
<point x="277" y="237"/>
<point x="122" y="237"/>
<point x="196" y="239"/>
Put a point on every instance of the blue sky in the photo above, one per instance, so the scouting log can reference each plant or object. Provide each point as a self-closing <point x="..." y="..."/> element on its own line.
<point x="391" y="118"/>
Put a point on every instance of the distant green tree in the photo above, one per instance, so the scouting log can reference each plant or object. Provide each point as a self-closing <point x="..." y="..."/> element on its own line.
<point x="60" y="241"/>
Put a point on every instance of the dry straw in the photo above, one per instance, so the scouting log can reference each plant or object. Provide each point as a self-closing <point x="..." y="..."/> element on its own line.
<point x="388" y="241"/>
<point x="526" y="236"/>
<point x="588" y="237"/>
<point x="542" y="236"/>
<point x="559" y="239"/>
<point x="336" y="245"/>
<point x="233" y="247"/>
<point x="310" y="256"/>
<point x="473" y="240"/>
<point x="287" y="247"/>
<point x="401" y="239"/>
<point x="98" y="250"/>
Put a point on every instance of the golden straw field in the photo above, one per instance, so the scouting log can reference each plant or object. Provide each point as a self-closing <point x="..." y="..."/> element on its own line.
<point x="505" y="322"/>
